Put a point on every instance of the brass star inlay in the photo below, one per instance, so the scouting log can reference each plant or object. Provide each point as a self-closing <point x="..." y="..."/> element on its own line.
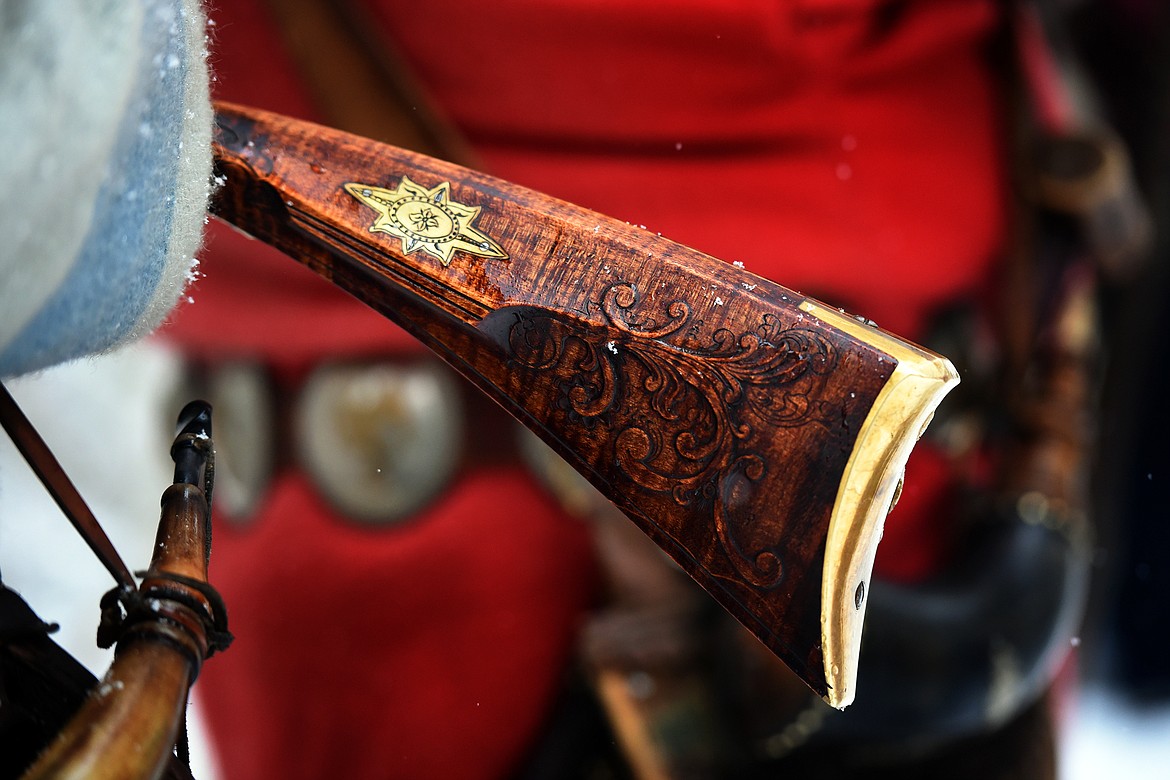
<point x="426" y="220"/>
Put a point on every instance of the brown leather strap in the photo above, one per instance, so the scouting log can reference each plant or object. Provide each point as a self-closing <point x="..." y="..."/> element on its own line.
<point x="359" y="83"/>
<point x="40" y="458"/>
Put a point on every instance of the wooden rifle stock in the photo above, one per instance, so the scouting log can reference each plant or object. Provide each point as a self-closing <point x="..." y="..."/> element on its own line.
<point x="755" y="435"/>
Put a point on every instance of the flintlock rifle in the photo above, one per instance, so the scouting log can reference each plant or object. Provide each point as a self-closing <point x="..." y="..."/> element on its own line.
<point x="756" y="435"/>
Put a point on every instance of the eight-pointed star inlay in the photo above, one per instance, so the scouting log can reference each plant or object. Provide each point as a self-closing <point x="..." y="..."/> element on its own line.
<point x="426" y="220"/>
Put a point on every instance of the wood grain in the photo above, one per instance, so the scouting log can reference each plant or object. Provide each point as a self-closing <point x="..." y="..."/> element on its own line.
<point x="702" y="399"/>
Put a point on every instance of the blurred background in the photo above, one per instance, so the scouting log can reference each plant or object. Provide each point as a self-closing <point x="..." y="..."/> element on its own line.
<point x="109" y="421"/>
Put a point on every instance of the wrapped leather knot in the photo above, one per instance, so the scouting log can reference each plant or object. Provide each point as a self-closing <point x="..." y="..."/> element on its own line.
<point x="169" y="607"/>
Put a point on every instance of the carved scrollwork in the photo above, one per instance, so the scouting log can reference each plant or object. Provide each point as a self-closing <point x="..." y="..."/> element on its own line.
<point x="691" y="414"/>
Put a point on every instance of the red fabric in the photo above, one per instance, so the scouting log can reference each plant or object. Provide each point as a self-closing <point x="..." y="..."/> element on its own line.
<point x="917" y="536"/>
<point x="845" y="148"/>
<point x="428" y="650"/>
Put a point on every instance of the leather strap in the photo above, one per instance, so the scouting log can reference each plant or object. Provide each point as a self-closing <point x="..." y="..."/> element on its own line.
<point x="41" y="460"/>
<point x="360" y="83"/>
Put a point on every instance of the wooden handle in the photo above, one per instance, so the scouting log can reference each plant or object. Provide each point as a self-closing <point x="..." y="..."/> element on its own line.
<point x="128" y="726"/>
<point x="724" y="414"/>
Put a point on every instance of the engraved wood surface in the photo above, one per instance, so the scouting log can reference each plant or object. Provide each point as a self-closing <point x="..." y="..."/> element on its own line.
<point x="700" y="398"/>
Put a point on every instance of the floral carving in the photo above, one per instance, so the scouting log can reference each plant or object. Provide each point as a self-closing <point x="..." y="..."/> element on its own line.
<point x="689" y="415"/>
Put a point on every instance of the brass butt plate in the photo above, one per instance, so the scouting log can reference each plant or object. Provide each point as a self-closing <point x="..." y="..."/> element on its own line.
<point x="869" y="485"/>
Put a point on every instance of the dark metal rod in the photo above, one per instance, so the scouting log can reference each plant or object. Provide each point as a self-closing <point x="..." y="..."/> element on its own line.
<point x="41" y="460"/>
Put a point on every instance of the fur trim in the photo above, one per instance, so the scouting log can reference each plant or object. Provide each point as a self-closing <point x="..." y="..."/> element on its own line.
<point x="109" y="189"/>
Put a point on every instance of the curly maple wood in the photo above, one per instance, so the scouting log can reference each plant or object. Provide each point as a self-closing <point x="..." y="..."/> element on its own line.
<point x="755" y="435"/>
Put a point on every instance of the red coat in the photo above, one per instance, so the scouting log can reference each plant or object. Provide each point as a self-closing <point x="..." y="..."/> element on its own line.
<point x="845" y="148"/>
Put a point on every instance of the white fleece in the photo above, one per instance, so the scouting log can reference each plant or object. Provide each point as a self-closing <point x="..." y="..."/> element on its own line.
<point x="66" y="71"/>
<point x="78" y="80"/>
